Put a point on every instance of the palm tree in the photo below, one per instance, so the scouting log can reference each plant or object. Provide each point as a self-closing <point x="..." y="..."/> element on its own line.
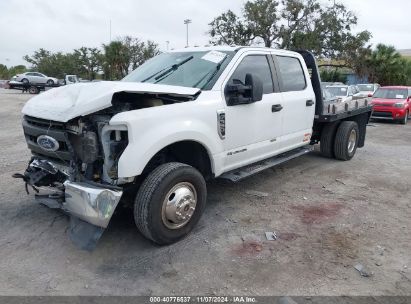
<point x="387" y="66"/>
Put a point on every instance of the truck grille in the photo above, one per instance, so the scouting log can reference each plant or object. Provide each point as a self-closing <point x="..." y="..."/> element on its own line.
<point x="34" y="127"/>
<point x="383" y="104"/>
<point x="381" y="114"/>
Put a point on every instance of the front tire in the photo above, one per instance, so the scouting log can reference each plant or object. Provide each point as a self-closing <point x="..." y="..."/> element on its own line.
<point x="346" y="140"/>
<point x="170" y="202"/>
<point x="25" y="81"/>
<point x="50" y="82"/>
<point x="405" y="119"/>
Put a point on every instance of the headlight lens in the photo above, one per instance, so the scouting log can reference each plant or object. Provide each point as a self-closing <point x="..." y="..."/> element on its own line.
<point x="399" y="105"/>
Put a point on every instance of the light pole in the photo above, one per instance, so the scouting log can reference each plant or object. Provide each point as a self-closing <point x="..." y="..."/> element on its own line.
<point x="167" y="44"/>
<point x="187" y="22"/>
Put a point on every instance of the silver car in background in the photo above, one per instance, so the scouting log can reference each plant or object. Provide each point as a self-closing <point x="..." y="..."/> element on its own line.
<point x="35" y="78"/>
<point x="344" y="93"/>
<point x="368" y="89"/>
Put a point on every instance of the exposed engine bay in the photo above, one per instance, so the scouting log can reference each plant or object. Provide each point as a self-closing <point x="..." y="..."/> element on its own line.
<point x="74" y="163"/>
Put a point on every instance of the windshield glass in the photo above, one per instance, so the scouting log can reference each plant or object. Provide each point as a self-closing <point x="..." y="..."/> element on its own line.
<point x="187" y="69"/>
<point x="338" y="91"/>
<point x="366" y="87"/>
<point x="327" y="94"/>
<point x="391" y="93"/>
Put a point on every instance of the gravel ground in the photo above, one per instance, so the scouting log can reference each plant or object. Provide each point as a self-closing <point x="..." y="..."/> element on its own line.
<point x="328" y="215"/>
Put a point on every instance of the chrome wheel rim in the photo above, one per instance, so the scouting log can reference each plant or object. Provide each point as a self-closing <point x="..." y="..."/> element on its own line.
<point x="179" y="205"/>
<point x="352" y="140"/>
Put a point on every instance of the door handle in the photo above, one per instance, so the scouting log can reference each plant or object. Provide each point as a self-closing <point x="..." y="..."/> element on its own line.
<point x="309" y="103"/>
<point x="276" y="108"/>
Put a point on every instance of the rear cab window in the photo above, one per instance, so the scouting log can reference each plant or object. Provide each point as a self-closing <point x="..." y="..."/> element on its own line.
<point x="292" y="76"/>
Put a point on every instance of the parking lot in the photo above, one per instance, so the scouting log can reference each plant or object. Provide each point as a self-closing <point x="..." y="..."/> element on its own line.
<point x="328" y="215"/>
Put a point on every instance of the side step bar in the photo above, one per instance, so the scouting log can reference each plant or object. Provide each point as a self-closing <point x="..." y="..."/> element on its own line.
<point x="244" y="172"/>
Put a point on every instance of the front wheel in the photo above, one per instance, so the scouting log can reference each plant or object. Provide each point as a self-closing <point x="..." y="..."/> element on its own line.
<point x="405" y="119"/>
<point x="170" y="202"/>
<point x="25" y="81"/>
<point x="50" y="82"/>
<point x="346" y="140"/>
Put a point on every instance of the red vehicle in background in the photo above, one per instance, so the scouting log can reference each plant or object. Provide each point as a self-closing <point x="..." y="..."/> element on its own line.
<point x="392" y="103"/>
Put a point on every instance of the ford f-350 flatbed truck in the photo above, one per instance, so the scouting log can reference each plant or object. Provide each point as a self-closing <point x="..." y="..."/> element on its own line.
<point x="186" y="116"/>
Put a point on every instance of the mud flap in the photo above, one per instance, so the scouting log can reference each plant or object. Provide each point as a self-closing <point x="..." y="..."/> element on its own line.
<point x="84" y="235"/>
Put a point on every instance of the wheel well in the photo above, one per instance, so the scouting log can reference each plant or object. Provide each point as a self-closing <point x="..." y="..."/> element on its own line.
<point x="187" y="152"/>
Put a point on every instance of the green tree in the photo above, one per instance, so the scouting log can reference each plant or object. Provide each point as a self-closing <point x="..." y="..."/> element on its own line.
<point x="333" y="75"/>
<point x="292" y="24"/>
<point x="4" y="72"/>
<point x="126" y="54"/>
<point x="387" y="67"/>
<point x="89" y="62"/>
<point x="116" y="60"/>
<point x="18" y="69"/>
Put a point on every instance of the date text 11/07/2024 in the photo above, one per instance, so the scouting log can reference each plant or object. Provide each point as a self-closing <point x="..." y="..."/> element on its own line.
<point x="203" y="299"/>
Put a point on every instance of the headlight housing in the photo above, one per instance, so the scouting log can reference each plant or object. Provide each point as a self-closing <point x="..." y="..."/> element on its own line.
<point x="399" y="105"/>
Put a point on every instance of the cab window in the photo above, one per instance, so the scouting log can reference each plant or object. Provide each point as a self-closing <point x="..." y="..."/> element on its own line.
<point x="257" y="65"/>
<point x="292" y="74"/>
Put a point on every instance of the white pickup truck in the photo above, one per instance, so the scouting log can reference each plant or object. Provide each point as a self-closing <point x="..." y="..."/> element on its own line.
<point x="153" y="139"/>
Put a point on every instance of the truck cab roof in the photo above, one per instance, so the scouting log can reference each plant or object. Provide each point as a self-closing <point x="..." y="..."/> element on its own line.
<point x="226" y="48"/>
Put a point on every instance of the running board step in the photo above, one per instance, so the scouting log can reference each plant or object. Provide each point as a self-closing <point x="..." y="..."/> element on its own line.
<point x="241" y="173"/>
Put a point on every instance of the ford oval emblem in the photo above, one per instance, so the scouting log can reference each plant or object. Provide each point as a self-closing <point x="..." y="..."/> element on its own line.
<point x="48" y="143"/>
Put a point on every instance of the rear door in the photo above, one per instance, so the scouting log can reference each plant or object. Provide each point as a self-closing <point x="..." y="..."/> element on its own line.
<point x="298" y="100"/>
<point x="40" y="78"/>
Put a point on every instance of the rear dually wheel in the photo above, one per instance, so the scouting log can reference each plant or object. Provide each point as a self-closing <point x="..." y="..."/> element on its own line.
<point x="346" y="140"/>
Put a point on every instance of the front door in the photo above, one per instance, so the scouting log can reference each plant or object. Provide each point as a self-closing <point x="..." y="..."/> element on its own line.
<point x="252" y="130"/>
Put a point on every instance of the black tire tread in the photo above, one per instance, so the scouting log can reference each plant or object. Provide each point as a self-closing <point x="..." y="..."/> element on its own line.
<point x="144" y="194"/>
<point x="340" y="143"/>
<point x="405" y="119"/>
<point x="327" y="139"/>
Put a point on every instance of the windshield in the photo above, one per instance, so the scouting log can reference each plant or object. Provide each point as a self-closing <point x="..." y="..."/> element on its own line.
<point x="338" y="91"/>
<point x="366" y="87"/>
<point x="187" y="69"/>
<point x="391" y="93"/>
<point x="327" y="94"/>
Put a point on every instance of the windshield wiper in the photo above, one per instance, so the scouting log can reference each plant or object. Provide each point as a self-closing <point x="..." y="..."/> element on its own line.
<point x="215" y="71"/>
<point x="167" y="70"/>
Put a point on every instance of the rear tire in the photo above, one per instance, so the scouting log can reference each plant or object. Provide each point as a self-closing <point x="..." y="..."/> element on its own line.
<point x="327" y="139"/>
<point x="33" y="90"/>
<point x="346" y="140"/>
<point x="170" y="202"/>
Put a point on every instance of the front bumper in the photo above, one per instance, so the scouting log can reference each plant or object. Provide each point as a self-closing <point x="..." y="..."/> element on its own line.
<point x="92" y="204"/>
<point x="389" y="113"/>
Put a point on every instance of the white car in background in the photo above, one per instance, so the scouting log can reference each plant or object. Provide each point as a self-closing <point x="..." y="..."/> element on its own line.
<point x="344" y="93"/>
<point x="35" y="78"/>
<point x="367" y="90"/>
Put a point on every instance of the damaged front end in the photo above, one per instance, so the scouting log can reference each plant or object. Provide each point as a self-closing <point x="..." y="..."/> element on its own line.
<point x="75" y="162"/>
<point x="73" y="168"/>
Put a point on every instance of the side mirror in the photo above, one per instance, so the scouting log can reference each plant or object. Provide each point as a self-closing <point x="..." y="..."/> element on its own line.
<point x="238" y="93"/>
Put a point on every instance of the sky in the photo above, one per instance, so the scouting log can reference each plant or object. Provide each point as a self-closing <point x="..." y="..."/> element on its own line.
<point x="63" y="25"/>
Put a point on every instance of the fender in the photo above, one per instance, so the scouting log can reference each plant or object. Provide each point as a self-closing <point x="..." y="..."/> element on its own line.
<point x="152" y="129"/>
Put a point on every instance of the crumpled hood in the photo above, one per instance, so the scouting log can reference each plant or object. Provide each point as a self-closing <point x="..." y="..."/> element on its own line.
<point x="74" y="100"/>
